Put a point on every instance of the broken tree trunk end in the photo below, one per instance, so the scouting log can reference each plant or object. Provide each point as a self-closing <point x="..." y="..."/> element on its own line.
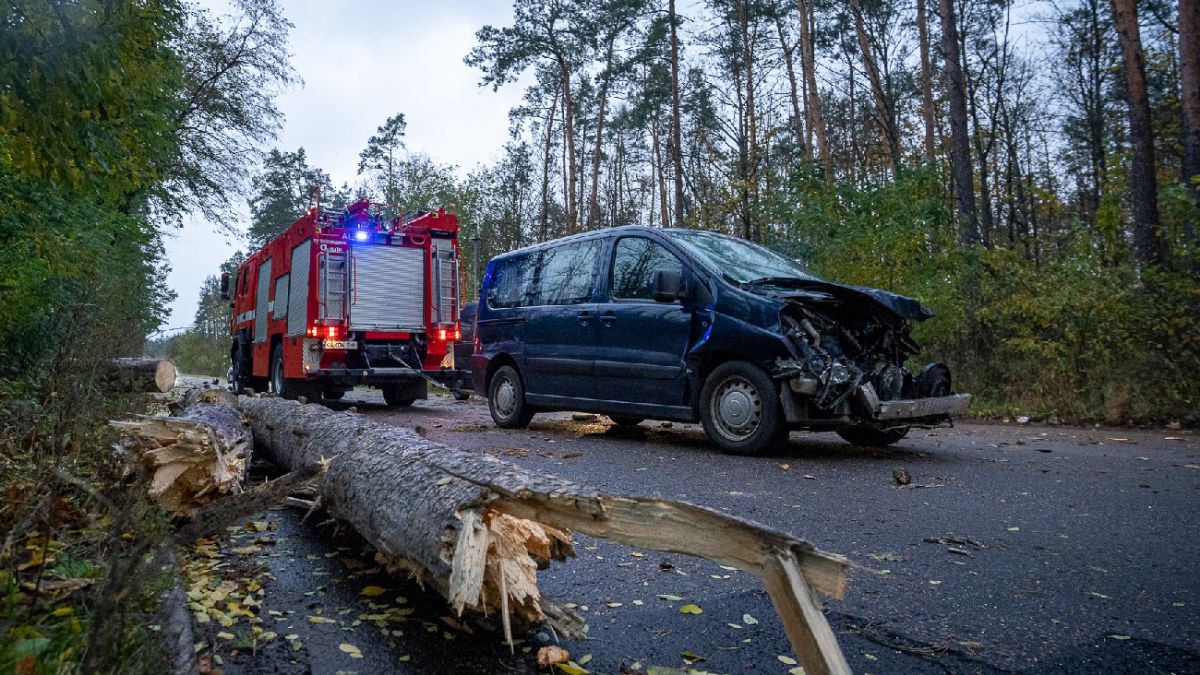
<point x="141" y="374"/>
<point x="477" y="528"/>
<point x="193" y="459"/>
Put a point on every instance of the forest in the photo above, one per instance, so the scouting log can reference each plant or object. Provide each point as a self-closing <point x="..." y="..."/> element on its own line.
<point x="1030" y="171"/>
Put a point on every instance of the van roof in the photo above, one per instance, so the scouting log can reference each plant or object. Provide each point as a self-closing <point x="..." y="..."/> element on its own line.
<point x="582" y="236"/>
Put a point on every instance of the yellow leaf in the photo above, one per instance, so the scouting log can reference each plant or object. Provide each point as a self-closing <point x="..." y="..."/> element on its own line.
<point x="63" y="611"/>
<point x="786" y="660"/>
<point x="225" y="636"/>
<point x="584" y="661"/>
<point x="691" y="609"/>
<point x="572" y="668"/>
<point x="350" y="649"/>
<point x="798" y="670"/>
<point x="749" y="620"/>
<point x="320" y="619"/>
<point x="372" y="591"/>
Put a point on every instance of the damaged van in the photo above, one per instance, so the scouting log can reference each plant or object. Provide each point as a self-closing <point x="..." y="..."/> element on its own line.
<point x="642" y="323"/>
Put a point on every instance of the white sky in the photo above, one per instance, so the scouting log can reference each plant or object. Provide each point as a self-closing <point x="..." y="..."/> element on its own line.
<point x="361" y="63"/>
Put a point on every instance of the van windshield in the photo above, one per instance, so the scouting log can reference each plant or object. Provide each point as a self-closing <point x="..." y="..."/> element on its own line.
<point x="739" y="260"/>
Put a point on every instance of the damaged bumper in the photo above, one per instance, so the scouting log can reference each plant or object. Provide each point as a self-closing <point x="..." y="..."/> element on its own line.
<point x="907" y="409"/>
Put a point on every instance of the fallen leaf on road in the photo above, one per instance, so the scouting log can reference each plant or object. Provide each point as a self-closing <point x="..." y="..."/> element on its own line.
<point x="1098" y="595"/>
<point x="734" y="625"/>
<point x="571" y="668"/>
<point x="798" y="670"/>
<point x="691" y="609"/>
<point x="372" y="591"/>
<point x="1013" y="529"/>
<point x="786" y="660"/>
<point x="1120" y="637"/>
<point x="614" y="605"/>
<point x="809" y="476"/>
<point x="637" y="554"/>
<point x="669" y="598"/>
<point x="886" y="557"/>
<point x="549" y="656"/>
<point x="351" y="650"/>
<point x="1172" y="438"/>
<point x="320" y="619"/>
<point x="901" y="476"/>
<point x="586" y="658"/>
<point x="692" y="658"/>
<point x="785" y="467"/>
<point x="225" y="636"/>
<point x="749" y="620"/>
<point x="443" y="481"/>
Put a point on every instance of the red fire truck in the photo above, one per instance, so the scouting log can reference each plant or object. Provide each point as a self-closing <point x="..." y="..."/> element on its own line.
<point x="345" y="298"/>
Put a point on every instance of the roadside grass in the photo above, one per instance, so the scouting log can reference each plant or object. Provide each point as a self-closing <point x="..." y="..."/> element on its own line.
<point x="79" y="541"/>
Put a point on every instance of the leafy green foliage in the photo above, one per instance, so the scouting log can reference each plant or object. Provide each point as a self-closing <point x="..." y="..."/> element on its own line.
<point x="286" y="188"/>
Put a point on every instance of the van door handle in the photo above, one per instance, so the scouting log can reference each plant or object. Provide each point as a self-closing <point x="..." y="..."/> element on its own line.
<point x="608" y="318"/>
<point x="584" y="318"/>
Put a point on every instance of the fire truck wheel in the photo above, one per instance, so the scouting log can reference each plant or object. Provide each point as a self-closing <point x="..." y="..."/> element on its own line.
<point x="333" y="394"/>
<point x="282" y="386"/>
<point x="506" y="400"/>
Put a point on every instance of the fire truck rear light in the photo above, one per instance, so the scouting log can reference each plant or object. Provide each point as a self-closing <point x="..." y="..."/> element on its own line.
<point x="442" y="334"/>
<point x="457" y="334"/>
<point x="312" y="331"/>
<point x="333" y="332"/>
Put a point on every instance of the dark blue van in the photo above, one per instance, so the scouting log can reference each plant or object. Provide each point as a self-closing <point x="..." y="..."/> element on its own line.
<point x="687" y="325"/>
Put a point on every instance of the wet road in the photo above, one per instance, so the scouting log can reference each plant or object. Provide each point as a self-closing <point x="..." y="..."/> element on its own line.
<point x="1039" y="549"/>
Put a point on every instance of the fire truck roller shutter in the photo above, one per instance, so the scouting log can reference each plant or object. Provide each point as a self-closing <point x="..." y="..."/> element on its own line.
<point x="297" y="298"/>
<point x="280" y="308"/>
<point x="261" y="302"/>
<point x="388" y="288"/>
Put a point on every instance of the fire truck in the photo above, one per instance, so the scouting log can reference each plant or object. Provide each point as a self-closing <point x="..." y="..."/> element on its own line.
<point x="349" y="297"/>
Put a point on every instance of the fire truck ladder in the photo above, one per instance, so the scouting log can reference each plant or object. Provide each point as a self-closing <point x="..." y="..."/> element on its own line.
<point x="333" y="287"/>
<point x="445" y="270"/>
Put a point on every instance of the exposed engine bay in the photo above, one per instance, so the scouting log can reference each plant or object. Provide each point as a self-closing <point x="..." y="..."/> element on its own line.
<point x="852" y="348"/>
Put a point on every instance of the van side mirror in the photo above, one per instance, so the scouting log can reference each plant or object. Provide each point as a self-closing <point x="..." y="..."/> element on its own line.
<point x="224" y="285"/>
<point x="666" y="285"/>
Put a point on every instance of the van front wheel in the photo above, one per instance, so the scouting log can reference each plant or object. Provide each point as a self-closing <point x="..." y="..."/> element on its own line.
<point x="506" y="400"/>
<point x="740" y="409"/>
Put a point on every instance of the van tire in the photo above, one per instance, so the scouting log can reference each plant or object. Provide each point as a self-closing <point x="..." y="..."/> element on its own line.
<point x="506" y="399"/>
<point x="740" y="409"/>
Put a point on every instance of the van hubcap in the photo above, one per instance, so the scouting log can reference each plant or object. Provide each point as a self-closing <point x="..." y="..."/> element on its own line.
<point x="737" y="408"/>
<point x="506" y="398"/>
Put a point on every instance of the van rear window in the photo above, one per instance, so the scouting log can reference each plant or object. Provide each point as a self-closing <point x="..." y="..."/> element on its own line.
<point x="510" y="281"/>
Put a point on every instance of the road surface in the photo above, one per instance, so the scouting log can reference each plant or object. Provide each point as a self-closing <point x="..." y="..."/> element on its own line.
<point x="1036" y="549"/>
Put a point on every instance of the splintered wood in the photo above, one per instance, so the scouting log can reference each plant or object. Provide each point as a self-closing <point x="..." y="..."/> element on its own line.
<point x="193" y="459"/>
<point x="478" y="529"/>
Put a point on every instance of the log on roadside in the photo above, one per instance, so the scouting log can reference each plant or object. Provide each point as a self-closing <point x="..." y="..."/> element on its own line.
<point x="477" y="528"/>
<point x="141" y="374"/>
<point x="192" y="459"/>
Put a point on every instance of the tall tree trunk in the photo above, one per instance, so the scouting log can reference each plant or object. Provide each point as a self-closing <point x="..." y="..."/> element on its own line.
<point x="852" y="122"/>
<point x="883" y="111"/>
<point x="1189" y="80"/>
<point x="926" y="80"/>
<point x="789" y="62"/>
<point x="545" y="210"/>
<point x="569" y="136"/>
<point x="751" y="124"/>
<point x="808" y="64"/>
<point x="676" y="119"/>
<point x="661" y="183"/>
<point x="960" y="148"/>
<point x="1148" y="243"/>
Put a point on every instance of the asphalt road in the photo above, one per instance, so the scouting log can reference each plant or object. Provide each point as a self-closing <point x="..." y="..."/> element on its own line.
<point x="1015" y="549"/>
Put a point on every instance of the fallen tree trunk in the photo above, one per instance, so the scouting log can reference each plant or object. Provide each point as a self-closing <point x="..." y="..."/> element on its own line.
<point x="192" y="459"/>
<point x="141" y="374"/>
<point x="477" y="528"/>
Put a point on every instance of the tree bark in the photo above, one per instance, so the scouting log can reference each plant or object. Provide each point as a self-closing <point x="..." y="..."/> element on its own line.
<point x="141" y="375"/>
<point x="602" y="101"/>
<point x="1148" y="243"/>
<point x="960" y="141"/>
<point x="676" y="119"/>
<point x="1189" y="80"/>
<point x="476" y="528"/>
<point x="926" y="81"/>
<point x="545" y="209"/>
<point x="569" y="139"/>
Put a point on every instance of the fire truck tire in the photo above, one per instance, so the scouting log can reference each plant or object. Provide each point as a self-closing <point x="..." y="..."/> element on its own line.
<point x="333" y="394"/>
<point x="287" y="387"/>
<point x="506" y="400"/>
<point x="239" y="371"/>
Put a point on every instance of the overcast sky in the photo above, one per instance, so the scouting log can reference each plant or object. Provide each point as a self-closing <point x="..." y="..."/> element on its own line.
<point x="362" y="62"/>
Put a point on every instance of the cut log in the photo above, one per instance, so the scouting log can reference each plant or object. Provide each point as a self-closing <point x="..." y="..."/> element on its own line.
<point x="192" y="459"/>
<point x="141" y="375"/>
<point x="477" y="528"/>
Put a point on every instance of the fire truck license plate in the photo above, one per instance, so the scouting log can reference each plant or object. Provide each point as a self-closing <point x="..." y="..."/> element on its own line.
<point x="340" y="344"/>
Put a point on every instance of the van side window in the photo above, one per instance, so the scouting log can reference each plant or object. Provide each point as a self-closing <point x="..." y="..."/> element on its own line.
<point x="567" y="274"/>
<point x="510" y="282"/>
<point x="635" y="261"/>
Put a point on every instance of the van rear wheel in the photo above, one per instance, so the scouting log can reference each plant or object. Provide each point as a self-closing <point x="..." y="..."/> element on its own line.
<point x="506" y="400"/>
<point x="740" y="409"/>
